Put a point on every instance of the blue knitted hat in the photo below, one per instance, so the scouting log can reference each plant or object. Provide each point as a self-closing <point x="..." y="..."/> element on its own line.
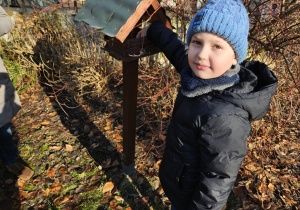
<point x="226" y="18"/>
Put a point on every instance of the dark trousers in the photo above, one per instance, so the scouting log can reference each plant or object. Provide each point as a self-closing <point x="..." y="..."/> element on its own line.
<point x="8" y="150"/>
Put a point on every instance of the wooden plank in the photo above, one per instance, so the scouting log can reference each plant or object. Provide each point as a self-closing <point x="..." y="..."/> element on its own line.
<point x="130" y="81"/>
<point x="133" y="19"/>
<point x="162" y="17"/>
<point x="130" y="49"/>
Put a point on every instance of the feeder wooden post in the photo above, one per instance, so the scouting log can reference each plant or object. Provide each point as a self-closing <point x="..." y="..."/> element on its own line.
<point x="130" y="84"/>
<point x="122" y="44"/>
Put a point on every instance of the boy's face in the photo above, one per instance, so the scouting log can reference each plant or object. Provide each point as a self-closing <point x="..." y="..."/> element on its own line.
<point x="209" y="55"/>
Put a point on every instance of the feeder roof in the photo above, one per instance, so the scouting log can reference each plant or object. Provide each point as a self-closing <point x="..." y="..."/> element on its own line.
<point x="107" y="15"/>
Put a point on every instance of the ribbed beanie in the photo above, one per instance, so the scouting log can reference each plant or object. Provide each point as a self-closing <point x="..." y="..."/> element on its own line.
<point x="226" y="18"/>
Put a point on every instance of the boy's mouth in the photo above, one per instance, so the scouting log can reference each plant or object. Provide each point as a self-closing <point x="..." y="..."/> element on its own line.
<point x="201" y="66"/>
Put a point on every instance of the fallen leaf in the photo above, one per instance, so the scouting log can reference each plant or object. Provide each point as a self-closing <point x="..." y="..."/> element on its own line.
<point x="69" y="148"/>
<point x="107" y="128"/>
<point x="23" y="194"/>
<point x="118" y="137"/>
<point x="156" y="200"/>
<point x="91" y="134"/>
<point x="20" y="183"/>
<point x="51" y="156"/>
<point x="51" y="172"/>
<point x="9" y="181"/>
<point x="271" y="187"/>
<point x="79" y="189"/>
<point x="57" y="200"/>
<point x="113" y="204"/>
<point x="86" y="128"/>
<point x="47" y="192"/>
<point x="32" y="195"/>
<point x="155" y="184"/>
<point x="34" y="126"/>
<point x="108" y="187"/>
<point x="65" y="200"/>
<point x="115" y="163"/>
<point x="52" y="114"/>
<point x="160" y="190"/>
<point x="106" y="164"/>
<point x="251" y="167"/>
<point x="107" y="198"/>
<point x="119" y="147"/>
<point x="55" y="190"/>
<point x="46" y="122"/>
<point x="166" y="201"/>
<point x="156" y="165"/>
<point x="62" y="171"/>
<point x="56" y="147"/>
<point x="140" y="180"/>
<point x="119" y="199"/>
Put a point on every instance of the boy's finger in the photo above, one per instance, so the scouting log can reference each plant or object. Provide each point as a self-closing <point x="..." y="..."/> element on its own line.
<point x="140" y="34"/>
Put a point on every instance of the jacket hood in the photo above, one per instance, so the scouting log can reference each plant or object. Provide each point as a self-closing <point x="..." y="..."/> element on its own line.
<point x="254" y="91"/>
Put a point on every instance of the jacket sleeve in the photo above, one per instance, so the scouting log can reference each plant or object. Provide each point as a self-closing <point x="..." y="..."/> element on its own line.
<point x="169" y="43"/>
<point x="223" y="146"/>
<point x="5" y="23"/>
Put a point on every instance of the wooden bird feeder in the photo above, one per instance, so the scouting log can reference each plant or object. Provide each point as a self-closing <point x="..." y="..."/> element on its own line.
<point x="122" y="44"/>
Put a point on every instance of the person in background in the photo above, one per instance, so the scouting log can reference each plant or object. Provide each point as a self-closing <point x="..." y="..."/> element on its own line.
<point x="9" y="106"/>
<point x="220" y="95"/>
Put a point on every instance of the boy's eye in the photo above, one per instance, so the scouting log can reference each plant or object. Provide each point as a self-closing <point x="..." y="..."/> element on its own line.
<point x="196" y="42"/>
<point x="217" y="47"/>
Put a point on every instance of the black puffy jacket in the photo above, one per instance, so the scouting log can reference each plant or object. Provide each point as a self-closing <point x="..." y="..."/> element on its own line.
<point x="207" y="137"/>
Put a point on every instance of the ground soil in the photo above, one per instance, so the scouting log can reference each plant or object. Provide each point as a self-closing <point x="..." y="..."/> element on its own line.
<point x="74" y="146"/>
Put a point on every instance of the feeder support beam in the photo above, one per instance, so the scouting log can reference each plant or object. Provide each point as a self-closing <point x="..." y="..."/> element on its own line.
<point x="130" y="82"/>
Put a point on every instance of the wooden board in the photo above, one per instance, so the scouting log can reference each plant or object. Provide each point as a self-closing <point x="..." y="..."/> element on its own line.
<point x="153" y="8"/>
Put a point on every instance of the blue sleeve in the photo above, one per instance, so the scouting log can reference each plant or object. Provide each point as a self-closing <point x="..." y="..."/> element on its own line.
<point x="223" y="146"/>
<point x="169" y="43"/>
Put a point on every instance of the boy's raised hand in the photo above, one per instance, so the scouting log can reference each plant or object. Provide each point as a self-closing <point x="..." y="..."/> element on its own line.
<point x="142" y="33"/>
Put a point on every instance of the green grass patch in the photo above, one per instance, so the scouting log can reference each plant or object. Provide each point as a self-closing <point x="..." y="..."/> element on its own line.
<point x="29" y="187"/>
<point x="51" y="205"/>
<point x="23" y="130"/>
<point x="92" y="172"/>
<point x="91" y="200"/>
<point x="67" y="188"/>
<point x="44" y="148"/>
<point x="26" y="151"/>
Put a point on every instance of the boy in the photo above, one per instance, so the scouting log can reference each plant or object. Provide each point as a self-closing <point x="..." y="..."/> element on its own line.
<point x="9" y="106"/>
<point x="219" y="96"/>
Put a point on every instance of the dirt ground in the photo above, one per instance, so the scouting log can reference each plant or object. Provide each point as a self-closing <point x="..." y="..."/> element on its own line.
<point x="75" y="149"/>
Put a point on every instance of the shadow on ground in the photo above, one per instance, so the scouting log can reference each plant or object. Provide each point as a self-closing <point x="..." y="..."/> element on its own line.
<point x="79" y="121"/>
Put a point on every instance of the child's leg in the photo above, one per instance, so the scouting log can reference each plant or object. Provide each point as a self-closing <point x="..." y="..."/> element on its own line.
<point x="8" y="150"/>
<point x="9" y="155"/>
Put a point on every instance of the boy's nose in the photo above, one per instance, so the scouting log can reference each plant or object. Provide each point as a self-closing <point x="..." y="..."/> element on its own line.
<point x="203" y="53"/>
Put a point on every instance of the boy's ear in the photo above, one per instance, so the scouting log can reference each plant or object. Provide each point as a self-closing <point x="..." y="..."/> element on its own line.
<point x="234" y="61"/>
